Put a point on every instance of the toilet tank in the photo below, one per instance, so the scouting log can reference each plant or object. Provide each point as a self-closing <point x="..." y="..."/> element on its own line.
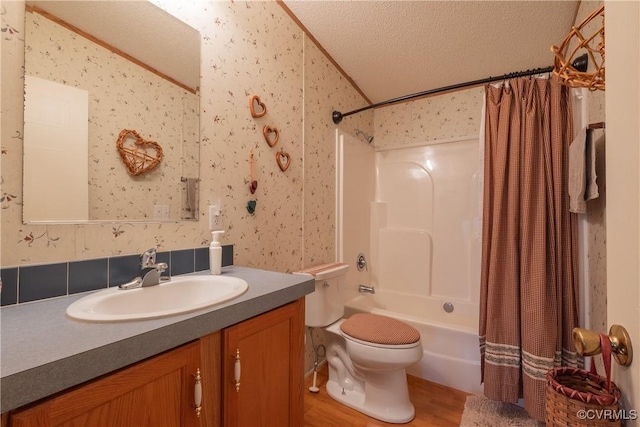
<point x="326" y="304"/>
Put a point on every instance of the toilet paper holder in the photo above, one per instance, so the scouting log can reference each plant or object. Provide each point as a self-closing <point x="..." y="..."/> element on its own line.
<point x="588" y="343"/>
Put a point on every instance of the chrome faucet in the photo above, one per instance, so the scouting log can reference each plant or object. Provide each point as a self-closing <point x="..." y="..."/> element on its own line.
<point x="366" y="289"/>
<point x="150" y="271"/>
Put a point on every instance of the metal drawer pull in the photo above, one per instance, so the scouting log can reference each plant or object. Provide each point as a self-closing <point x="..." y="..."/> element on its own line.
<point x="236" y="370"/>
<point x="197" y="393"/>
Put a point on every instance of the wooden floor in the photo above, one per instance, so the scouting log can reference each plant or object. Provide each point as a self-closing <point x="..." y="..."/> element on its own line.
<point x="435" y="405"/>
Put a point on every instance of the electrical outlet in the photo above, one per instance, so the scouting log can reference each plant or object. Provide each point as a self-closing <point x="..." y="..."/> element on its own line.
<point x="217" y="222"/>
<point x="215" y="218"/>
<point x="157" y="212"/>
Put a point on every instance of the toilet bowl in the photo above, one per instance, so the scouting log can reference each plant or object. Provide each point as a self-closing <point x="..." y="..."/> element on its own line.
<point x="372" y="378"/>
<point x="367" y="354"/>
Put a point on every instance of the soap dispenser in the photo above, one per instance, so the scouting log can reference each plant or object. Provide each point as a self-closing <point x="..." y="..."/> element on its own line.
<point x="215" y="253"/>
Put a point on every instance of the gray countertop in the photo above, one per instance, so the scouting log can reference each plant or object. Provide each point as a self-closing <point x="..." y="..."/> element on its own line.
<point x="43" y="351"/>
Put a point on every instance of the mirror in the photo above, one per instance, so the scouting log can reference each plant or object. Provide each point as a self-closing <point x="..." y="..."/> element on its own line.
<point x="94" y="69"/>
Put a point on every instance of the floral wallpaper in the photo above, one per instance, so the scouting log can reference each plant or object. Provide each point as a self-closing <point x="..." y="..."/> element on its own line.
<point x="441" y="117"/>
<point x="325" y="91"/>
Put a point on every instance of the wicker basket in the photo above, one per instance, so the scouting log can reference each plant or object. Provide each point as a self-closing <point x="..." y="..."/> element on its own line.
<point x="564" y="410"/>
<point x="579" y="398"/>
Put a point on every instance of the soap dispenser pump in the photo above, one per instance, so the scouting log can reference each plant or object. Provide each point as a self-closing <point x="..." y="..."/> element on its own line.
<point x="215" y="253"/>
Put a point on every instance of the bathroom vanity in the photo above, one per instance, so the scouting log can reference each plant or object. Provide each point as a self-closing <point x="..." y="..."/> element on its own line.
<point x="246" y="355"/>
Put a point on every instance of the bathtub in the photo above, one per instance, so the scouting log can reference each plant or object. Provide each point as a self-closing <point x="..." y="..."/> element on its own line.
<point x="450" y="340"/>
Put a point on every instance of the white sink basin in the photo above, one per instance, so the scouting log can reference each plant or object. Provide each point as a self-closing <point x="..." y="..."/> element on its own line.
<point x="179" y="295"/>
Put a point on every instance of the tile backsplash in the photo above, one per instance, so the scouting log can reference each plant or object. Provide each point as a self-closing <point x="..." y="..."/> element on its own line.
<point x="28" y="283"/>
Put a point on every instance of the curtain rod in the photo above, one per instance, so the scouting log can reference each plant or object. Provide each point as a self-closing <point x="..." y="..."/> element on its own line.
<point x="580" y="64"/>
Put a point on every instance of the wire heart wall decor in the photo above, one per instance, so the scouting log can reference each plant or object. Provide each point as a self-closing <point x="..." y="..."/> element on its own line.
<point x="140" y="157"/>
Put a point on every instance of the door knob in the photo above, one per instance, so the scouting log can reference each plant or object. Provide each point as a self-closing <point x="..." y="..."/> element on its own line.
<point x="588" y="343"/>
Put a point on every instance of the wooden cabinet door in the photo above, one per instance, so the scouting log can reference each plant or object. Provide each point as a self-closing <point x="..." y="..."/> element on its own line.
<point x="270" y="348"/>
<point x="154" y="393"/>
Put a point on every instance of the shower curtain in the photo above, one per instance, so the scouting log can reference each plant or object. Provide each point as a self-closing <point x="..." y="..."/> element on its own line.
<point x="529" y="278"/>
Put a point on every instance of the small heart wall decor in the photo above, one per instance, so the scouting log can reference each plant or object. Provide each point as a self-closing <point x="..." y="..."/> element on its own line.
<point x="283" y="159"/>
<point x="139" y="155"/>
<point x="271" y="135"/>
<point x="257" y="107"/>
<point x="251" y="206"/>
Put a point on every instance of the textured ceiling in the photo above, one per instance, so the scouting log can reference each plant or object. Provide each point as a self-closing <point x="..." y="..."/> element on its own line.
<point x="140" y="29"/>
<point x="394" y="48"/>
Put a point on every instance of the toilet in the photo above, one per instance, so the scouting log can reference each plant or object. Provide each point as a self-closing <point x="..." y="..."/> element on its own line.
<point x="367" y="353"/>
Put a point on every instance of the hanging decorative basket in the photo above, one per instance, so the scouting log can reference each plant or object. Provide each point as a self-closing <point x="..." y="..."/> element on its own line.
<point x="563" y="65"/>
<point x="579" y="398"/>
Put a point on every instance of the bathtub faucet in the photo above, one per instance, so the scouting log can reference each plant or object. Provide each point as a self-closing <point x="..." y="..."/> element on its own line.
<point x="366" y="289"/>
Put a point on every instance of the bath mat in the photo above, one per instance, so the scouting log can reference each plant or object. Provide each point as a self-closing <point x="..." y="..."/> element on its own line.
<point x="482" y="412"/>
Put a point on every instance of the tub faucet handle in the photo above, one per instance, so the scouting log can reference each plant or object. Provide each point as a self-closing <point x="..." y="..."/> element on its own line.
<point x="361" y="262"/>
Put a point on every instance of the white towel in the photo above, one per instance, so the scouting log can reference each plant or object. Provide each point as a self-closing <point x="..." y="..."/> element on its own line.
<point x="591" y="187"/>
<point x="582" y="171"/>
<point x="577" y="181"/>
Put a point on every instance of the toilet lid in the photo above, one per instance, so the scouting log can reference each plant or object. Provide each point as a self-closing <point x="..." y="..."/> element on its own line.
<point x="378" y="329"/>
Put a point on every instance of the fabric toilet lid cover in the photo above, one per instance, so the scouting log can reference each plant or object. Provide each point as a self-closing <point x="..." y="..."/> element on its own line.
<point x="378" y="329"/>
